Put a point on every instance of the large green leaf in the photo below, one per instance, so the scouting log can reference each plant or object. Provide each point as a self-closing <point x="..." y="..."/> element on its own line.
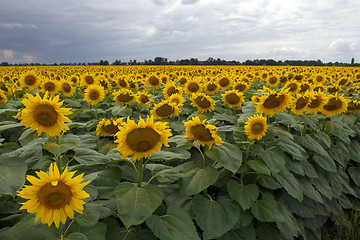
<point x="136" y="204"/>
<point x="258" y="166"/>
<point x="354" y="173"/>
<point x="227" y="155"/>
<point x="289" y="146"/>
<point x="8" y="125"/>
<point x="290" y="183"/>
<point x="176" y="225"/>
<point x="215" y="217"/>
<point x="174" y="153"/>
<point x="87" y="156"/>
<point x="197" y="179"/>
<point x="90" y="215"/>
<point x="266" y="209"/>
<point x="242" y="233"/>
<point x="340" y="130"/>
<point x="273" y="157"/>
<point x="12" y="174"/>
<point x="171" y="174"/>
<point x="245" y="195"/>
<point x="325" y="162"/>
<point x="310" y="143"/>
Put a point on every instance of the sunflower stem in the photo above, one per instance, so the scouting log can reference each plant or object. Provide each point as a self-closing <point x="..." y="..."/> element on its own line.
<point x="58" y="157"/>
<point x="140" y="173"/>
<point x="61" y="233"/>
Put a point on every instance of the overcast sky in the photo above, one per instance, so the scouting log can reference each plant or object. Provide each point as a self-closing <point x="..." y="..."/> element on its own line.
<point x="68" y="31"/>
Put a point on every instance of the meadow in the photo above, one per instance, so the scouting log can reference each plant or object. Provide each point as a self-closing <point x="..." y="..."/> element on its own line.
<point x="179" y="152"/>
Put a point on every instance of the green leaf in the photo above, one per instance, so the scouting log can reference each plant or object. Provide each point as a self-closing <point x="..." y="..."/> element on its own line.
<point x="259" y="166"/>
<point x="197" y="179"/>
<point x="322" y="185"/>
<point x="273" y="157"/>
<point x="180" y="141"/>
<point x="174" y="153"/>
<point x="354" y="173"/>
<point x="170" y="174"/>
<point x="269" y="182"/>
<point x="245" y="195"/>
<point x="326" y="163"/>
<point x="292" y="148"/>
<point x="136" y="204"/>
<point x="354" y="150"/>
<point x="12" y="174"/>
<point x="310" y="143"/>
<point x="9" y="125"/>
<point x="286" y="119"/>
<point x="90" y="215"/>
<point x="310" y="191"/>
<point x="324" y="138"/>
<point x="76" y="236"/>
<point x="339" y="130"/>
<point x="266" y="209"/>
<point x="176" y="225"/>
<point x="243" y="233"/>
<point x="89" y="157"/>
<point x="290" y="183"/>
<point x="227" y="155"/>
<point x="279" y="132"/>
<point x="215" y="217"/>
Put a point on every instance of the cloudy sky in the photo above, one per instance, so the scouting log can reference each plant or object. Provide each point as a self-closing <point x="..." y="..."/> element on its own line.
<point x="69" y="31"/>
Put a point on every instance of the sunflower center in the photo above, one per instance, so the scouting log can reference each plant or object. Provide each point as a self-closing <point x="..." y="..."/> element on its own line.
<point x="89" y="80"/>
<point x="122" y="83"/>
<point x="49" y="86"/>
<point x="314" y="103"/>
<point x="142" y="139"/>
<point x="183" y="81"/>
<point x="74" y="80"/>
<point x="30" y="80"/>
<point x="333" y="104"/>
<point x="54" y="197"/>
<point x="144" y="99"/>
<point x="232" y="98"/>
<point x="154" y="81"/>
<point x="94" y="95"/>
<point x="211" y="87"/>
<point x="224" y="82"/>
<point x="66" y="87"/>
<point x="319" y="79"/>
<point x="301" y="103"/>
<point x="165" y="110"/>
<point x="292" y="87"/>
<point x="257" y="128"/>
<point x="125" y="97"/>
<point x="171" y="90"/>
<point x="273" y="101"/>
<point x="45" y="115"/>
<point x="193" y="87"/>
<point x="202" y="102"/>
<point x="240" y="87"/>
<point x="273" y="80"/>
<point x="111" y="129"/>
<point x="201" y="133"/>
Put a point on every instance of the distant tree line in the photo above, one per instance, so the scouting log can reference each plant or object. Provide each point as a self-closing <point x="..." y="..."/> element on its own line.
<point x="195" y="61"/>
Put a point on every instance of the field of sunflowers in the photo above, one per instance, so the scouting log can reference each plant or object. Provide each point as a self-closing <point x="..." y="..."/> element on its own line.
<point x="179" y="152"/>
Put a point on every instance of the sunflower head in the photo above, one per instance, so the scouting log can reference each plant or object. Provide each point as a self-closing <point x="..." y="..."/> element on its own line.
<point x="335" y="105"/>
<point x="108" y="127"/>
<point x="273" y="102"/>
<point x="30" y="80"/>
<point x="165" y="109"/>
<point x="211" y="87"/>
<point x="44" y="115"/>
<point x="142" y="139"/>
<point x="124" y="96"/>
<point x="50" y="86"/>
<point x="256" y="127"/>
<point x="224" y="82"/>
<point x="3" y="97"/>
<point x="193" y="86"/>
<point x="143" y="99"/>
<point x="233" y="98"/>
<point x="94" y="94"/>
<point x="66" y="88"/>
<point x="153" y="81"/>
<point x="202" y="133"/>
<point x="300" y="104"/>
<point x="53" y="196"/>
<point x="316" y="102"/>
<point x="203" y="102"/>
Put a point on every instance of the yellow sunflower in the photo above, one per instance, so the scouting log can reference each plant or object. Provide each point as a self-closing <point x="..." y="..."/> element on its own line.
<point x="87" y="80"/>
<point x="30" y="80"/>
<point x="193" y="86"/>
<point x="74" y="79"/>
<point x="144" y="99"/>
<point x="108" y="127"/>
<point x="3" y="98"/>
<point x="66" y="88"/>
<point x="353" y="106"/>
<point x="293" y="87"/>
<point x="171" y="88"/>
<point x="335" y="105"/>
<point x="272" y="81"/>
<point x="241" y="86"/>
<point x="317" y="101"/>
<point x="224" y="82"/>
<point x="94" y="94"/>
<point x="124" y="96"/>
<point x="256" y="127"/>
<point x="202" y="133"/>
<point x="203" y="102"/>
<point x="153" y="81"/>
<point x="54" y="197"/>
<point x="50" y="86"/>
<point x="211" y="87"/>
<point x="122" y="82"/>
<point x="300" y="103"/>
<point x="142" y="139"/>
<point x="233" y="98"/>
<point x="273" y="102"/>
<point x="177" y="99"/>
<point x="164" y="109"/>
<point x="44" y="115"/>
<point x="319" y="79"/>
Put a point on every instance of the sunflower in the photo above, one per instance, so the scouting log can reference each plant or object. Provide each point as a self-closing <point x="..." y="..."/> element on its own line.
<point x="165" y="109"/>
<point x="211" y="87"/>
<point x="94" y="94"/>
<point x="67" y="89"/>
<point x="144" y="99"/>
<point x="293" y="87"/>
<point x="124" y="96"/>
<point x="153" y="81"/>
<point x="74" y="79"/>
<point x="241" y="86"/>
<point x="202" y="133"/>
<point x="44" y="115"/>
<point x="142" y="139"/>
<point x="256" y="127"/>
<point x="4" y="87"/>
<point x="177" y="99"/>
<point x="182" y="80"/>
<point x="272" y="81"/>
<point x="54" y="197"/>
<point x="317" y="101"/>
<point x="224" y="82"/>
<point x="233" y="98"/>
<point x="122" y="82"/>
<point x="353" y="106"/>
<point x="50" y="86"/>
<point x="300" y="103"/>
<point x="193" y="86"/>
<point x="3" y="98"/>
<point x="108" y="127"/>
<point x="273" y="102"/>
<point x="203" y="102"/>
<point x="319" y="79"/>
<point x="171" y="88"/>
<point x="87" y="80"/>
<point x="335" y="105"/>
<point x="29" y="80"/>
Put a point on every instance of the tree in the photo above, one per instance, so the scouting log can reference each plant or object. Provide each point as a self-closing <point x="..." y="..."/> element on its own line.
<point x="352" y="60"/>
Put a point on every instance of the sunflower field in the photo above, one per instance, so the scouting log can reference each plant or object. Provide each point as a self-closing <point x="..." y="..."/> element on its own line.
<point x="179" y="152"/>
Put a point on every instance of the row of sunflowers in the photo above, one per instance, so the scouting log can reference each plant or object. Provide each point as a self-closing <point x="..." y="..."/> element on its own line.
<point x="177" y="152"/>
